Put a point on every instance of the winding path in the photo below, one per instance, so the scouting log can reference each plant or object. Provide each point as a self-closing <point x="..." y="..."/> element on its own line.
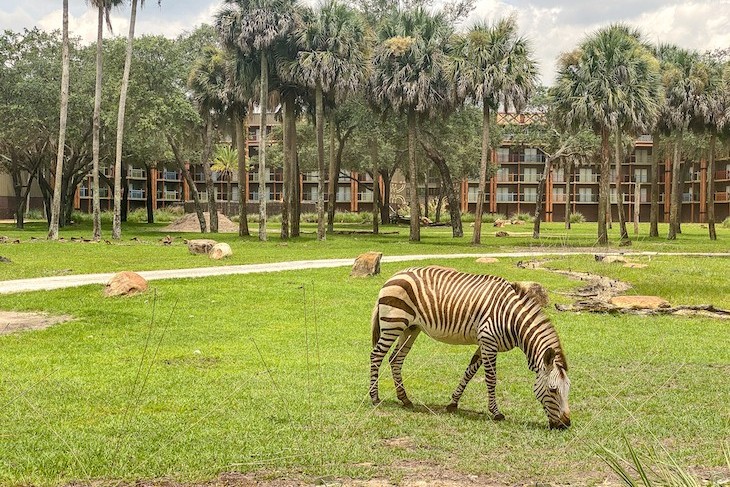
<point x="62" y="282"/>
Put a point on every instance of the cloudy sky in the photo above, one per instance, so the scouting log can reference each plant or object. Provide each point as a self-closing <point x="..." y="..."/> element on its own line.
<point x="552" y="26"/>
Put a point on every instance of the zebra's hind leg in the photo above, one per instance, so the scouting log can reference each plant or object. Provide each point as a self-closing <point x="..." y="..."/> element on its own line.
<point x="385" y="341"/>
<point x="489" y="360"/>
<point x="471" y="370"/>
<point x="405" y="342"/>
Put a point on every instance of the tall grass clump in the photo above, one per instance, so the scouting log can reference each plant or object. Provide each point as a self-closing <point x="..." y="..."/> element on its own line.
<point x="577" y="217"/>
<point x="525" y="217"/>
<point x="161" y="215"/>
<point x="468" y="217"/>
<point x="726" y="222"/>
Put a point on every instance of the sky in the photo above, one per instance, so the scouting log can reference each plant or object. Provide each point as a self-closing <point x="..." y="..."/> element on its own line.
<point x="551" y="26"/>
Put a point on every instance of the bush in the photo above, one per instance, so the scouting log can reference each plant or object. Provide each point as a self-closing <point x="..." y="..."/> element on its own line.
<point x="577" y="217"/>
<point x="161" y="215"/>
<point x="726" y="223"/>
<point x="34" y="215"/>
<point x="525" y="217"/>
<point x="468" y="217"/>
<point x="80" y="217"/>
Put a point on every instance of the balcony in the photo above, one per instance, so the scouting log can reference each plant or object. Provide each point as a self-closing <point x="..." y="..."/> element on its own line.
<point x="366" y="197"/>
<point x="689" y="198"/>
<point x="136" y="194"/>
<point x="524" y="158"/>
<point x="586" y="178"/>
<point x="506" y="177"/>
<point x="722" y="175"/>
<point x="559" y="198"/>
<point x="136" y="173"/>
<point x="529" y="198"/>
<point x="507" y="197"/>
<point x="170" y="195"/>
<point x="587" y="198"/>
<point x="722" y="196"/>
<point x="170" y="175"/>
<point x="530" y="178"/>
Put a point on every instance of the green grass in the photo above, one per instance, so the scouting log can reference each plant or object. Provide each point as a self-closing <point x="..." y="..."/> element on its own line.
<point x="37" y="258"/>
<point x="268" y="373"/>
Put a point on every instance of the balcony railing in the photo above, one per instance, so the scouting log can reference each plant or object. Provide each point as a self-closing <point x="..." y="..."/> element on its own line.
<point x="136" y="194"/>
<point x="533" y="159"/>
<point x="689" y="198"/>
<point x="136" y="173"/>
<point x="559" y="198"/>
<point x="720" y="175"/>
<point x="587" y="198"/>
<point x="529" y="198"/>
<point x="530" y="178"/>
<point x="586" y="178"/>
<point x="170" y="175"/>
<point x="506" y="177"/>
<point x="722" y="196"/>
<point x="366" y="197"/>
<point x="170" y="195"/>
<point x="507" y="197"/>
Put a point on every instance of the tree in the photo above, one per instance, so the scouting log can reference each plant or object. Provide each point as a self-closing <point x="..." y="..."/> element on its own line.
<point x="65" y="62"/>
<point x="410" y="77"/>
<point x="250" y="28"/>
<point x="331" y="61"/>
<point x="610" y="83"/>
<point x="493" y="65"/>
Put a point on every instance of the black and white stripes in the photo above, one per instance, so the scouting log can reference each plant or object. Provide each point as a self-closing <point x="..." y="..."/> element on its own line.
<point x="459" y="308"/>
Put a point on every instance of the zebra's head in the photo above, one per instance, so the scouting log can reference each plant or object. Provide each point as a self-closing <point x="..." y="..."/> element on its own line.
<point x="551" y="389"/>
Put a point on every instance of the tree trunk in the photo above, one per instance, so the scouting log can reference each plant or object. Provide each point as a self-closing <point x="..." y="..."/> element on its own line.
<point x="205" y="161"/>
<point x="125" y="194"/>
<point x="567" y="173"/>
<point x="385" y="206"/>
<point x="676" y="198"/>
<point x="454" y="210"/>
<point x="711" y="188"/>
<point x="264" y="102"/>
<point x="477" y="236"/>
<point x="654" y="214"/>
<point x="96" y="128"/>
<point x="376" y="183"/>
<point x="242" y="150"/>
<point x="540" y="205"/>
<point x="117" y="223"/>
<point x="296" y="189"/>
<point x="617" y="157"/>
<point x="56" y="205"/>
<point x="319" y="122"/>
<point x="439" y="202"/>
<point x="425" y="192"/>
<point x="637" y="206"/>
<point x="415" y="234"/>
<point x="334" y="175"/>
<point x="604" y="188"/>
<point x="150" y="207"/>
<point x="288" y="103"/>
<point x="197" y="205"/>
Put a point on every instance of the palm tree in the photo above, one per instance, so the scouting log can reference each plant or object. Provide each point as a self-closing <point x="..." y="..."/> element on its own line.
<point x="225" y="161"/>
<point x="250" y="28"/>
<point x="104" y="8"/>
<point x="332" y="62"/>
<point x="610" y="83"/>
<point x="685" y="78"/>
<point x="117" y="222"/>
<point x="493" y="65"/>
<point x="56" y="205"/>
<point x="410" y="77"/>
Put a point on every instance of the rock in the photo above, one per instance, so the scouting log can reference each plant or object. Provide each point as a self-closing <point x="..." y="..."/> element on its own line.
<point x="367" y="264"/>
<point x="167" y="240"/>
<point x="425" y="221"/>
<point x="501" y="234"/>
<point x="634" y="265"/>
<point x="499" y="223"/>
<point x="533" y="290"/>
<point x="487" y="260"/>
<point x="5" y="260"/>
<point x="125" y="283"/>
<point x="518" y="222"/>
<point x="639" y="302"/>
<point x="220" y="251"/>
<point x="609" y="259"/>
<point x="200" y="245"/>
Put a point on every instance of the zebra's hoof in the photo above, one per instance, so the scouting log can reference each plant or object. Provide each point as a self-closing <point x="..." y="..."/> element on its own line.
<point x="376" y="401"/>
<point x="451" y="408"/>
<point x="407" y="403"/>
<point x="498" y="417"/>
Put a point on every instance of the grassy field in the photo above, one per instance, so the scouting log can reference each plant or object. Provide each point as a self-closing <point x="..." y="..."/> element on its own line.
<point x="268" y="374"/>
<point x="37" y="257"/>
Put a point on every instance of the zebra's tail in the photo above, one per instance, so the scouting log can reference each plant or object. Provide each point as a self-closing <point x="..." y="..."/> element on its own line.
<point x="376" y="325"/>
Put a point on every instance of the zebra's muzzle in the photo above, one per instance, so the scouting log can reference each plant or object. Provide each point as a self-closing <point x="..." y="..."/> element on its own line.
<point x="563" y="424"/>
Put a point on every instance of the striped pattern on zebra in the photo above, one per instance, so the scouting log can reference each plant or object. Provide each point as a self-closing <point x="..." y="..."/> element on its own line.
<point x="466" y="309"/>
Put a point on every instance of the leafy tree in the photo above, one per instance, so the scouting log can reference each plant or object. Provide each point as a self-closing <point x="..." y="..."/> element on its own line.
<point x="493" y="65"/>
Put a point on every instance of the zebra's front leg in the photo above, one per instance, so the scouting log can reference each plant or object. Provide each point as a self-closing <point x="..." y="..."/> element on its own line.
<point x="376" y="359"/>
<point x="471" y="370"/>
<point x="489" y="360"/>
<point x="396" y="362"/>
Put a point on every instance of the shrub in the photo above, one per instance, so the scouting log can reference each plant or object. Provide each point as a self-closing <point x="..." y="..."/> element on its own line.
<point x="525" y="217"/>
<point x="34" y="215"/>
<point x="468" y="217"/>
<point x="726" y="223"/>
<point x="577" y="217"/>
<point x="161" y="215"/>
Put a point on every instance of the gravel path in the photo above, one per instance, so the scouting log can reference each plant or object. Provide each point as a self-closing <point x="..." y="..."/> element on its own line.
<point x="61" y="282"/>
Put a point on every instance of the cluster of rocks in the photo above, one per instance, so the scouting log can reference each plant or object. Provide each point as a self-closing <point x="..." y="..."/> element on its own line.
<point x="213" y="249"/>
<point x="618" y="259"/>
<point x="499" y="222"/>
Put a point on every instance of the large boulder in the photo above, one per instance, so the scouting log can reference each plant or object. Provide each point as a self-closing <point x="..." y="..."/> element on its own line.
<point x="610" y="258"/>
<point x="220" y="251"/>
<point x="501" y="234"/>
<point x="200" y="245"/>
<point x="639" y="302"/>
<point x="367" y="264"/>
<point x="125" y="283"/>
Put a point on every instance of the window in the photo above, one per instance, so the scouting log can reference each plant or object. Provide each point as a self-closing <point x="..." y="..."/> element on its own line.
<point x="586" y="176"/>
<point x="644" y="195"/>
<point x="530" y="175"/>
<point x="559" y="195"/>
<point x="585" y="195"/>
<point x="503" y="174"/>
<point x="530" y="195"/>
<point x="503" y="195"/>
<point x="641" y="175"/>
<point x="365" y="195"/>
<point x="531" y="155"/>
<point x="474" y="194"/>
<point x="642" y="156"/>
<point x="503" y="154"/>
<point x="343" y="194"/>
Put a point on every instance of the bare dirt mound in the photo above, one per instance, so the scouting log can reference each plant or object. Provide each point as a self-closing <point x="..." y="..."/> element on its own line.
<point x="189" y="223"/>
<point x="12" y="321"/>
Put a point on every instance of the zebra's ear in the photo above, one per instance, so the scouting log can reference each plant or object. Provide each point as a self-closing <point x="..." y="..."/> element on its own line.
<point x="548" y="357"/>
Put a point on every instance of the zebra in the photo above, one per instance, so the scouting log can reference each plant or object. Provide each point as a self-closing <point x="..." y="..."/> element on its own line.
<point x="465" y="309"/>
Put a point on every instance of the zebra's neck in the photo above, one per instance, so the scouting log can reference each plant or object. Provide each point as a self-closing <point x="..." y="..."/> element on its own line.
<point x="535" y="334"/>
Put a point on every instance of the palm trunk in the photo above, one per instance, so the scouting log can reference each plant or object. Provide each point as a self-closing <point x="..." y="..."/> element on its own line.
<point x="540" y="205"/>
<point x="415" y="234"/>
<point x="117" y="223"/>
<point x="566" y="174"/>
<point x="56" y="205"/>
<point x="334" y="176"/>
<point x="676" y="198"/>
<point x="242" y="150"/>
<point x="96" y="127"/>
<point x="376" y="184"/>
<point x="319" y="122"/>
<point x="287" y="187"/>
<point x="654" y="214"/>
<point x="263" y="194"/>
<point x="477" y="236"/>
<point x="637" y="206"/>
<point x="617" y="156"/>
<point x="711" y="188"/>
<point x="209" y="188"/>
<point x="604" y="188"/>
<point x="294" y="197"/>
<point x="425" y="193"/>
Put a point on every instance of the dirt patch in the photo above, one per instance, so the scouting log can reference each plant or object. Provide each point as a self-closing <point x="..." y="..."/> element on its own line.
<point x="12" y="321"/>
<point x="189" y="223"/>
